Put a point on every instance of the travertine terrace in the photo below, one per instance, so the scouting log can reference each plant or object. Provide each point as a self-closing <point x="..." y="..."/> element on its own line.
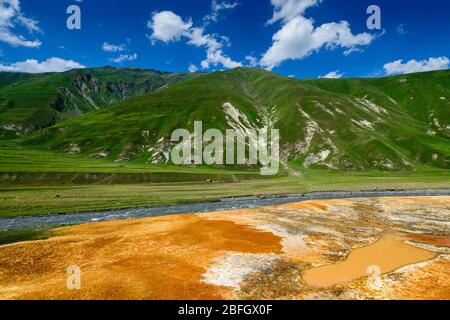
<point x="382" y="248"/>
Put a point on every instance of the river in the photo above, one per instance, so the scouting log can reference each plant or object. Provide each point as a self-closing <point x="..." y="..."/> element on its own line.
<point x="222" y="205"/>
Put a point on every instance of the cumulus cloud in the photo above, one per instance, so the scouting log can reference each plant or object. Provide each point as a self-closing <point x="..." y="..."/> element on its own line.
<point x="108" y="47"/>
<point x="169" y="27"/>
<point x="216" y="58"/>
<point x="12" y="17"/>
<point x="299" y="38"/>
<point x="216" y="8"/>
<point x="49" y="65"/>
<point x="124" y="57"/>
<point x="252" y="60"/>
<point x="332" y="75"/>
<point x="192" y="68"/>
<point x="285" y="10"/>
<point x="398" y="67"/>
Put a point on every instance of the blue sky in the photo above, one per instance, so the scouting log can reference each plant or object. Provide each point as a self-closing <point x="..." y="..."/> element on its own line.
<point x="301" y="38"/>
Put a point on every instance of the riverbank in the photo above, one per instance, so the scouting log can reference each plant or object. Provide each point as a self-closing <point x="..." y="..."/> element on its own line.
<point x="32" y="224"/>
<point x="260" y="253"/>
<point x="28" y="200"/>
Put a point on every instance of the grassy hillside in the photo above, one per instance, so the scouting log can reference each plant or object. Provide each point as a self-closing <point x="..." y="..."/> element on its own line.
<point x="388" y="124"/>
<point x="30" y="102"/>
<point x="387" y="133"/>
<point x="424" y="96"/>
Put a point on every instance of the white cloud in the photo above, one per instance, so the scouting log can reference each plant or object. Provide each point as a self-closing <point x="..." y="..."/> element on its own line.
<point x="124" y="57"/>
<point x="199" y="39"/>
<point x="168" y="27"/>
<point x="34" y="66"/>
<point x="214" y="53"/>
<point x="11" y="17"/>
<point x="333" y="75"/>
<point x="398" y="67"/>
<point x="107" y="47"/>
<point x="216" y="57"/>
<point x="30" y="24"/>
<point x="285" y="10"/>
<point x="216" y="8"/>
<point x="252" y="61"/>
<point x="192" y="68"/>
<point x="298" y="38"/>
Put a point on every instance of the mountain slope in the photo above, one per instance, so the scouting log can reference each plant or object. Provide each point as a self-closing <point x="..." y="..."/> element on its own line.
<point x="348" y="124"/>
<point x="423" y="96"/>
<point x="29" y="102"/>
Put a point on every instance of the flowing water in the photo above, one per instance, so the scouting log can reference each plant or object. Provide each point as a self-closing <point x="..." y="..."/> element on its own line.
<point x="222" y="205"/>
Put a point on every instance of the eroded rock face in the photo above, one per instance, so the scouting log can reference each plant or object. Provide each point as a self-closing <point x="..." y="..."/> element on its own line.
<point x="263" y="253"/>
<point x="88" y="93"/>
<point x="100" y="155"/>
<point x="73" y="149"/>
<point x="121" y="88"/>
<point x="85" y="81"/>
<point x="15" y="130"/>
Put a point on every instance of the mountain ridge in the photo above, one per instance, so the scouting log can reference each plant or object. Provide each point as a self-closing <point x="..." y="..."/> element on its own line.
<point x="29" y="102"/>
<point x="348" y="124"/>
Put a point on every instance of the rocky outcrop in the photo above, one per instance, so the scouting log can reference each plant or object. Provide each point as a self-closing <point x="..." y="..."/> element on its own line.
<point x="88" y="93"/>
<point x="15" y="130"/>
<point x="120" y="89"/>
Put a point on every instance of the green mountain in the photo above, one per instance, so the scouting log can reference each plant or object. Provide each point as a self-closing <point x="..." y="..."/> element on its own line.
<point x="29" y="102"/>
<point x="391" y="124"/>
